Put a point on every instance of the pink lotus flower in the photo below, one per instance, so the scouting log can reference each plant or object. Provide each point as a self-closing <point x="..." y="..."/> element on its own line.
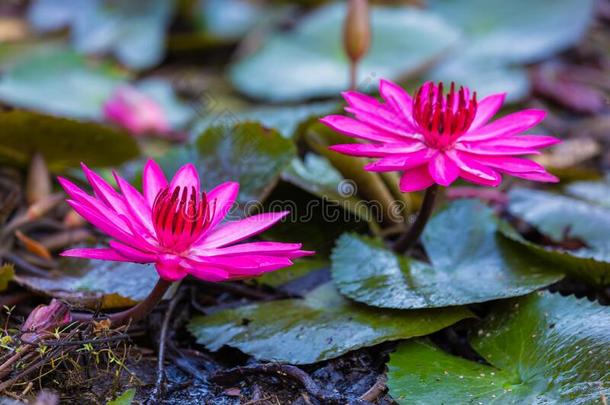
<point x="135" y="111"/>
<point x="435" y="138"/>
<point x="177" y="227"/>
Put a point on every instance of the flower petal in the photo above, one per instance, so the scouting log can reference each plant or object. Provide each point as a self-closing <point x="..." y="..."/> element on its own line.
<point x="188" y="178"/>
<point x="443" y="170"/>
<point x="535" y="176"/>
<point x="487" y="108"/>
<point x="401" y="162"/>
<point x="96" y="254"/>
<point x="263" y="248"/>
<point x="239" y="230"/>
<point x="153" y="181"/>
<point x="104" y="191"/>
<point x="222" y="197"/>
<point x="134" y="255"/>
<point x="511" y="124"/>
<point x="473" y="171"/>
<point x="482" y="148"/>
<point x="204" y="271"/>
<point x="505" y="163"/>
<point x="396" y="97"/>
<point x="370" y="150"/>
<point x="416" y="179"/>
<point x="372" y="112"/>
<point x="521" y="141"/>
<point x="359" y="130"/>
<point x="137" y="205"/>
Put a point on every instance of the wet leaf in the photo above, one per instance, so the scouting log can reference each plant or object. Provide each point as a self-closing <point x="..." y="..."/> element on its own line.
<point x="89" y="282"/>
<point x="33" y="82"/>
<point x="287" y="120"/>
<point x="560" y="217"/>
<point x="230" y="19"/>
<point x="7" y="272"/>
<point x="310" y="62"/>
<point x="541" y="349"/>
<point x="64" y="143"/>
<point x="133" y="30"/>
<point x="498" y="36"/>
<point x="322" y="326"/>
<point x="125" y="398"/>
<point x="468" y="264"/>
<point x="596" y="192"/>
<point x="247" y="153"/>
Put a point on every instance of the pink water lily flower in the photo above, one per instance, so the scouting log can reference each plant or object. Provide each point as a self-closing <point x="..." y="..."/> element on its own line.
<point x="436" y="138"/>
<point x="177" y="227"/>
<point x="136" y="112"/>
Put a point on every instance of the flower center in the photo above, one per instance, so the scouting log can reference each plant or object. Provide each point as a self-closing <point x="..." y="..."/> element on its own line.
<point x="180" y="217"/>
<point x="443" y="119"/>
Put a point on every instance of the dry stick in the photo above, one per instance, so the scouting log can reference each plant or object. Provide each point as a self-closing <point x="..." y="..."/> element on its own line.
<point x="408" y="239"/>
<point x="133" y="314"/>
<point x="156" y="393"/>
<point x="283" y="370"/>
<point x="376" y="390"/>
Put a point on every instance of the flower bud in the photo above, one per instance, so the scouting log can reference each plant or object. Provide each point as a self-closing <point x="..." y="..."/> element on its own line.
<point x="357" y="30"/>
<point x="136" y="112"/>
<point x="39" y="180"/>
<point x="44" y="318"/>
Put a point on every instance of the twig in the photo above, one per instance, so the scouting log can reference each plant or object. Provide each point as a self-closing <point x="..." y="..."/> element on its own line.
<point x="407" y="240"/>
<point x="376" y="390"/>
<point x="11" y="257"/>
<point x="157" y="392"/>
<point x="283" y="370"/>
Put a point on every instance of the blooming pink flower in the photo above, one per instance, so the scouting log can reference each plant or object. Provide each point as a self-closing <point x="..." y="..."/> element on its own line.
<point x="436" y="138"/>
<point x="135" y="111"/>
<point x="177" y="227"/>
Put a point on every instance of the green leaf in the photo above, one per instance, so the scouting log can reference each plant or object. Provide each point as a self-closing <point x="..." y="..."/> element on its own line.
<point x="498" y="36"/>
<point x="541" y="349"/>
<point x="561" y="217"/>
<point x="7" y="272"/>
<point x="595" y="192"/>
<point x="468" y="264"/>
<point x="59" y="81"/>
<point x="320" y="327"/>
<point x="310" y="61"/>
<point x="299" y="269"/>
<point x="246" y="153"/>
<point x="63" y="142"/>
<point x="133" y="30"/>
<point x="89" y="282"/>
<point x="125" y="398"/>
<point x="230" y="19"/>
<point x="287" y="120"/>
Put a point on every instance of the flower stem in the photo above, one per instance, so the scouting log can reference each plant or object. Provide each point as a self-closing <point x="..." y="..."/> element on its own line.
<point x="135" y="313"/>
<point x="408" y="239"/>
<point x="353" y="75"/>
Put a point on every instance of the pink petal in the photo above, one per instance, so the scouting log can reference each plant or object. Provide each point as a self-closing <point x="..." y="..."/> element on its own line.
<point x="482" y="148"/>
<point x="135" y="255"/>
<point x="515" y="165"/>
<point x="396" y="97"/>
<point x="252" y="263"/>
<point x="511" y="124"/>
<point x="96" y="254"/>
<point x="153" y="181"/>
<point x="535" y="176"/>
<point x="443" y="170"/>
<point x="416" y="179"/>
<point x="371" y="111"/>
<point x="170" y="267"/>
<point x="522" y="141"/>
<point x="204" y="271"/>
<point x="239" y="230"/>
<point x="263" y="248"/>
<point x="473" y="171"/>
<point x="402" y="162"/>
<point x="487" y="108"/>
<point x="187" y="177"/>
<point x="222" y="199"/>
<point x="359" y="130"/>
<point x="369" y="150"/>
<point x="104" y="191"/>
<point x="137" y="205"/>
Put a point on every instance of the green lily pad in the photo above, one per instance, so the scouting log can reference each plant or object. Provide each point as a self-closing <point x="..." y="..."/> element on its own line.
<point x="230" y="19"/>
<point x="541" y="349"/>
<point x="286" y="119"/>
<point x="63" y="142"/>
<point x="247" y="153"/>
<point x="91" y="282"/>
<point x="133" y="30"/>
<point x="59" y="81"/>
<point x="468" y="264"/>
<point x="310" y="61"/>
<point x="499" y="36"/>
<point x="560" y="217"/>
<point x="595" y="192"/>
<point x="320" y="327"/>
